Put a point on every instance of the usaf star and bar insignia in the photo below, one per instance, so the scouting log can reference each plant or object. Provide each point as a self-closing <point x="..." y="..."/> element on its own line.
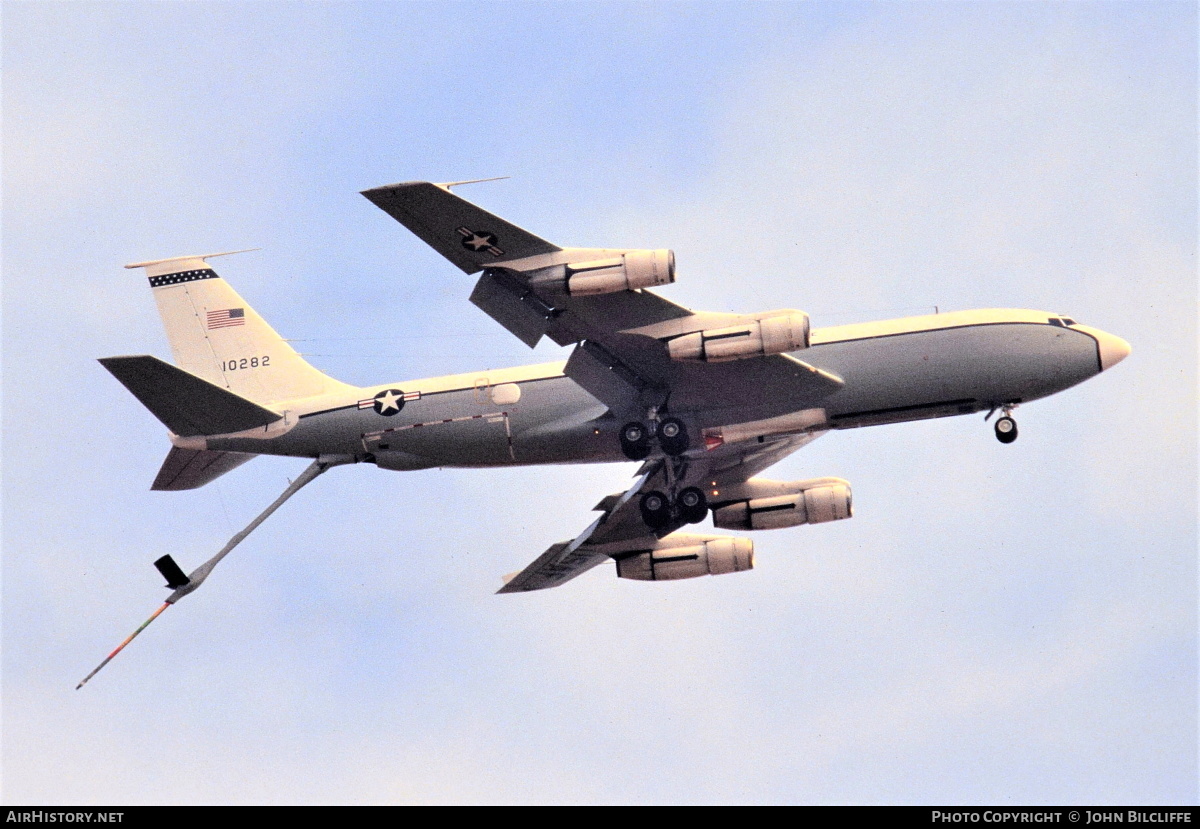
<point x="389" y="401"/>
<point x="477" y="240"/>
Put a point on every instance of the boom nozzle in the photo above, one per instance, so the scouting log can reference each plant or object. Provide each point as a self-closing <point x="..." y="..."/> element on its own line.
<point x="171" y="571"/>
<point x="182" y="584"/>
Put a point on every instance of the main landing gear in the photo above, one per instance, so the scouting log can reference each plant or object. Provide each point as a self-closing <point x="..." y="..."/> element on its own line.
<point x="671" y="434"/>
<point x="1006" y="427"/>
<point x="635" y="441"/>
<point x="658" y="510"/>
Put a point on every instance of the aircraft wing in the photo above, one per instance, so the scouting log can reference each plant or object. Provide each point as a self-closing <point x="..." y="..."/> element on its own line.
<point x="620" y="530"/>
<point x="621" y="355"/>
<point x="468" y="236"/>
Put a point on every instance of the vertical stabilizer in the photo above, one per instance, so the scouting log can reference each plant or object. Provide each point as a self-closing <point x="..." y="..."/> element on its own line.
<point x="216" y="335"/>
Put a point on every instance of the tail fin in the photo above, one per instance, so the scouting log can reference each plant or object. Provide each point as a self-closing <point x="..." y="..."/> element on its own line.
<point x="216" y="336"/>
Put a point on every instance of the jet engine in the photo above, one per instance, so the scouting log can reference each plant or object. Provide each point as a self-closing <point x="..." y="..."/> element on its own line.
<point x="631" y="270"/>
<point x="771" y="333"/>
<point x="700" y="556"/>
<point x="808" y="502"/>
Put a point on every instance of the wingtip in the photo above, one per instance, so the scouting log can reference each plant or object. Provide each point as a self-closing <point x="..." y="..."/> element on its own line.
<point x="387" y="188"/>
<point x="508" y="588"/>
<point x="444" y="185"/>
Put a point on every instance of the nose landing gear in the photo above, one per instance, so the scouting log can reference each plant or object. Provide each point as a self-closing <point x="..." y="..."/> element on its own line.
<point x="1006" y="427"/>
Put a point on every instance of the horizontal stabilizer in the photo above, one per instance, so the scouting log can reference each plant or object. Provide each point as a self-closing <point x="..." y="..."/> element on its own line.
<point x="193" y="468"/>
<point x="186" y="404"/>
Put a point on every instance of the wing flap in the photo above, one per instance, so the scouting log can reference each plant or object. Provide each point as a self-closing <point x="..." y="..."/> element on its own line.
<point x="606" y="377"/>
<point x="510" y="303"/>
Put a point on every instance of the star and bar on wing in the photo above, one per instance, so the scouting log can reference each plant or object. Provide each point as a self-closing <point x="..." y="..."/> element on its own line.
<point x="477" y="240"/>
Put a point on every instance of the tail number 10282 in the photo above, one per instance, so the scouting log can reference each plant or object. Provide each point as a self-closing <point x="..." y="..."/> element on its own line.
<point x="245" y="362"/>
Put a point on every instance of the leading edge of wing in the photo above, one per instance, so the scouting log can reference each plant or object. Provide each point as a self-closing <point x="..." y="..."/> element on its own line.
<point x="469" y="236"/>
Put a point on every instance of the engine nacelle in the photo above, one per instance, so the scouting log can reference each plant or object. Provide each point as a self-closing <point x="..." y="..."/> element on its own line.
<point x="711" y="557"/>
<point x="772" y="333"/>
<point x="815" y="502"/>
<point x="631" y="270"/>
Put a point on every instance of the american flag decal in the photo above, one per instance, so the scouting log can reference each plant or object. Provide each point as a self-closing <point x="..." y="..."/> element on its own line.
<point x="226" y="318"/>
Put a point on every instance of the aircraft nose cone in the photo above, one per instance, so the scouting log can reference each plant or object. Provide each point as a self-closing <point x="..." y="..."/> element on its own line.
<point x="1112" y="349"/>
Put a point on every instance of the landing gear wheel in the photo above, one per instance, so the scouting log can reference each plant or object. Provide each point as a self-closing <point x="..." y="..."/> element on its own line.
<point x="635" y="441"/>
<point x="672" y="436"/>
<point x="693" y="506"/>
<point x="656" y="510"/>
<point x="1006" y="429"/>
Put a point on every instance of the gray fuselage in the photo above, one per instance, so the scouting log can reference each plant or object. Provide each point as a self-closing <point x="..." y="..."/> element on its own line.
<point x="894" y="371"/>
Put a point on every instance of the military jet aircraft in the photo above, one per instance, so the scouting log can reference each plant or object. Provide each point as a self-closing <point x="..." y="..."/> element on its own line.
<point x="705" y="401"/>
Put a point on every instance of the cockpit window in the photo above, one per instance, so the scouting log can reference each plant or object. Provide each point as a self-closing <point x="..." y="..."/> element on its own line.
<point x="1069" y="321"/>
<point x="1062" y="321"/>
<point x="1056" y="321"/>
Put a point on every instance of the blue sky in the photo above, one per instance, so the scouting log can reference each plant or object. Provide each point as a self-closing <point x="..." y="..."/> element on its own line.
<point x="997" y="624"/>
